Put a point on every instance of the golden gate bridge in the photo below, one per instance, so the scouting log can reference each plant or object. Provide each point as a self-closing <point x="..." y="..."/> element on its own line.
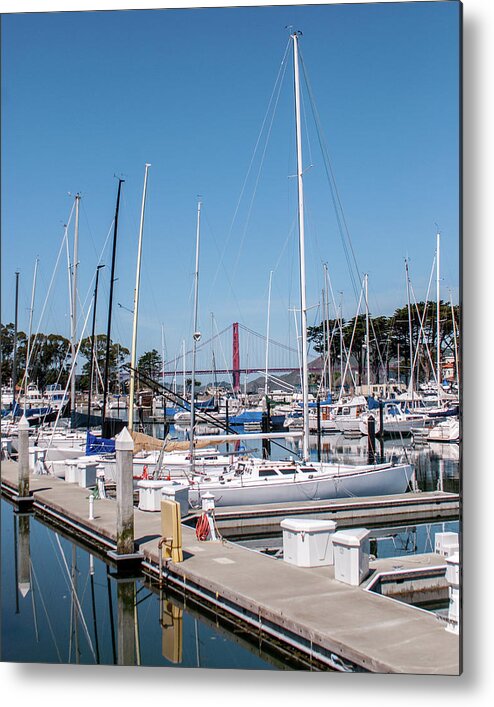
<point x="221" y="355"/>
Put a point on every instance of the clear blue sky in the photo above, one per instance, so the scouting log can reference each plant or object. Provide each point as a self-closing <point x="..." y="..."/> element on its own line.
<point x="89" y="95"/>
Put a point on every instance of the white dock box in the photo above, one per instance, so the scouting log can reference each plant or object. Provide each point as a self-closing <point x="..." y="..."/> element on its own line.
<point x="150" y="494"/>
<point x="307" y="543"/>
<point x="57" y="468"/>
<point x="86" y="472"/>
<point x="446" y="543"/>
<point x="351" y="555"/>
<point x="35" y="454"/>
<point x="6" y="447"/>
<point x="174" y="491"/>
<point x="453" y="579"/>
<point x="71" y="471"/>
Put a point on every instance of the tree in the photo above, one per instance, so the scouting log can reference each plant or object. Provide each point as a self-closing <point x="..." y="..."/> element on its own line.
<point x="390" y="340"/>
<point x="6" y="350"/>
<point x="150" y="364"/>
<point x="118" y="355"/>
<point x="49" y="359"/>
<point x="188" y="384"/>
<point x="331" y="330"/>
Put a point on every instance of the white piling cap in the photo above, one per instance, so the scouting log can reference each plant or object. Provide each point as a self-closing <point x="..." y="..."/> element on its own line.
<point x="124" y="441"/>
<point x="23" y="423"/>
<point x="24" y="588"/>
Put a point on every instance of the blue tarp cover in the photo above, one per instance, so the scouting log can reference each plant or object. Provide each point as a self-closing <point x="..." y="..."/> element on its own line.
<point x="98" y="445"/>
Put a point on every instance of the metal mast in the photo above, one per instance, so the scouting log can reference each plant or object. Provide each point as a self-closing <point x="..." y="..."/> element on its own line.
<point x="28" y="349"/>
<point x="183" y="368"/>
<point x="367" y="337"/>
<point x="73" y="333"/>
<point x="136" y="305"/>
<point x="267" y="334"/>
<point x="14" y="353"/>
<point x="303" y="300"/>
<point x="410" y="382"/>
<point x="438" y="318"/>
<point x="195" y="338"/>
<point x="110" y="303"/>
<point x="93" y="337"/>
<point x="328" y="329"/>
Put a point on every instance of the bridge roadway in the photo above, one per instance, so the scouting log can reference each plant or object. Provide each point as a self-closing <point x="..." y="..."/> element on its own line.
<point x="305" y="605"/>
<point x="230" y="371"/>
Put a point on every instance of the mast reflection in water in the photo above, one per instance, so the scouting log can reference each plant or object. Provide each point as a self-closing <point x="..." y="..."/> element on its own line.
<point x="62" y="605"/>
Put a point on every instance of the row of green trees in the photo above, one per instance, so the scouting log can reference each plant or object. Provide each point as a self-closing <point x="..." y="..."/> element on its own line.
<point x="390" y="341"/>
<point x="50" y="360"/>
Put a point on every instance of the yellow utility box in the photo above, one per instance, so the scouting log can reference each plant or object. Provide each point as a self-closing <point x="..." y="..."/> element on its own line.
<point x="171" y="531"/>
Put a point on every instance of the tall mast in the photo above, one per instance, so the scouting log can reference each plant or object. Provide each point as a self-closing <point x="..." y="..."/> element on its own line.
<point x="410" y="382"/>
<point x="136" y="305"/>
<point x="93" y="337"/>
<point x="341" y="341"/>
<point x="73" y="333"/>
<point x="367" y="337"/>
<point x="438" y="318"/>
<point x="110" y="303"/>
<point x="195" y="338"/>
<point x="324" y="375"/>
<point x="455" y="340"/>
<point x="183" y="367"/>
<point x="267" y="334"/>
<point x="14" y="353"/>
<point x="162" y="355"/>
<point x="28" y="349"/>
<point x="303" y="300"/>
<point x="328" y="328"/>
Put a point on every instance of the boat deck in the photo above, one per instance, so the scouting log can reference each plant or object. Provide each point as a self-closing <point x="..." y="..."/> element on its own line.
<point x="343" y="625"/>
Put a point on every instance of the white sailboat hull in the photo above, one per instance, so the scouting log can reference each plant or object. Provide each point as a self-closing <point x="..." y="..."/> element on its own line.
<point x="361" y="481"/>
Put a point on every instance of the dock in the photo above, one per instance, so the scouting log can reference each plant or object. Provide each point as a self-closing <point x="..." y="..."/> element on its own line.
<point x="404" y="509"/>
<point x="339" y="626"/>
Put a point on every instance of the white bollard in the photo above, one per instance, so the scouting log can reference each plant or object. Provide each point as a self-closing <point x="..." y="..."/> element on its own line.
<point x="207" y="501"/>
<point x="100" y="480"/>
<point x="91" y="507"/>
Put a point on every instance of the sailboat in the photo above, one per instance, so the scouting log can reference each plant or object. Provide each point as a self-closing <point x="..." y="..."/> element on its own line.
<point x="252" y="481"/>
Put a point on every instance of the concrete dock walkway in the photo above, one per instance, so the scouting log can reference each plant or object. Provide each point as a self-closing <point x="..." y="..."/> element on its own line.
<point x="306" y="605"/>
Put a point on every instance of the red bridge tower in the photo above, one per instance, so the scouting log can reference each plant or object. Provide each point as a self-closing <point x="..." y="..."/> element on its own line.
<point x="236" y="359"/>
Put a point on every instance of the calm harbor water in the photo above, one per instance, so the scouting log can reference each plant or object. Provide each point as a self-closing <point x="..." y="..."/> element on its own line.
<point x="60" y="604"/>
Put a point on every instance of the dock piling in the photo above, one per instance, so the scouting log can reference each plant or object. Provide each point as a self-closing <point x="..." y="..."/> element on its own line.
<point x="124" y="447"/>
<point x="23" y="459"/>
<point x="371" y="439"/>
